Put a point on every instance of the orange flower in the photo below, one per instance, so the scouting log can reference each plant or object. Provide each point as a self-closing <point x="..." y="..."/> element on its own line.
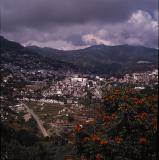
<point x="118" y="140"/>
<point x="104" y="142"/>
<point x="99" y="157"/>
<point x="77" y="128"/>
<point x="142" y="116"/>
<point x="154" y="123"/>
<point x="139" y="101"/>
<point x="143" y="140"/>
<point x="95" y="138"/>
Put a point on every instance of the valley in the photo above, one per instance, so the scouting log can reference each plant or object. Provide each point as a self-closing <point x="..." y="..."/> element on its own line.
<point x="67" y="108"/>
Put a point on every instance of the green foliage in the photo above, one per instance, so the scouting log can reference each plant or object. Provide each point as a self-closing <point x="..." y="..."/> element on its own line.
<point x="125" y="128"/>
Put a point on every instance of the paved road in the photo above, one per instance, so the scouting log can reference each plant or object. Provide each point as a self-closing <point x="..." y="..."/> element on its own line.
<point x="37" y="119"/>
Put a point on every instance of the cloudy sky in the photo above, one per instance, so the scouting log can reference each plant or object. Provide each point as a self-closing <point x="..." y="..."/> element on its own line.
<point x="73" y="24"/>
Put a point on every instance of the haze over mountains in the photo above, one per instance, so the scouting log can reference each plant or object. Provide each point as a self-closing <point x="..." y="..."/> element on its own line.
<point x="17" y="55"/>
<point x="98" y="59"/>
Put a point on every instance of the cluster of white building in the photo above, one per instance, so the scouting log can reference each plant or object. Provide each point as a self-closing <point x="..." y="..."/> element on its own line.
<point x="145" y="77"/>
<point x="74" y="86"/>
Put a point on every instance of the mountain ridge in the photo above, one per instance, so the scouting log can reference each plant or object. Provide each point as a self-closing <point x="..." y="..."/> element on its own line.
<point x="93" y="46"/>
<point x="98" y="59"/>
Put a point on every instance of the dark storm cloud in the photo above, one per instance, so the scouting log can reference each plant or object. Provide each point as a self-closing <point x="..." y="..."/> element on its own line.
<point x="40" y="13"/>
<point x="68" y="21"/>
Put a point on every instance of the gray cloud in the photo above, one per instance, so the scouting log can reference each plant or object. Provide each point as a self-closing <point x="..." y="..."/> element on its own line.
<point x="140" y="29"/>
<point x="67" y="22"/>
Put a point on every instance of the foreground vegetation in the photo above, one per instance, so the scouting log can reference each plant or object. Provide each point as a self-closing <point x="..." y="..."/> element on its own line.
<point x="125" y="127"/>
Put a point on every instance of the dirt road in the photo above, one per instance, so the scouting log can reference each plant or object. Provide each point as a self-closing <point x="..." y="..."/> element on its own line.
<point x="37" y="119"/>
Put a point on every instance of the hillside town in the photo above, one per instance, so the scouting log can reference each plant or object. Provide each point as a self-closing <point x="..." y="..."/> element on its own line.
<point x="61" y="103"/>
<point x="79" y="79"/>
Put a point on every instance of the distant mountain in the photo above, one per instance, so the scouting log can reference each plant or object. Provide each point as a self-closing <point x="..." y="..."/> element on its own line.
<point x="98" y="59"/>
<point x="17" y="55"/>
<point x="105" y="59"/>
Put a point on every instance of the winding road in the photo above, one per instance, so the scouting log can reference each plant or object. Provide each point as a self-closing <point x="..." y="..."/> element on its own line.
<point x="37" y="119"/>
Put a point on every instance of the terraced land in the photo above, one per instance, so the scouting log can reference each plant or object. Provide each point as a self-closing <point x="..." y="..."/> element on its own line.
<point x="58" y="118"/>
